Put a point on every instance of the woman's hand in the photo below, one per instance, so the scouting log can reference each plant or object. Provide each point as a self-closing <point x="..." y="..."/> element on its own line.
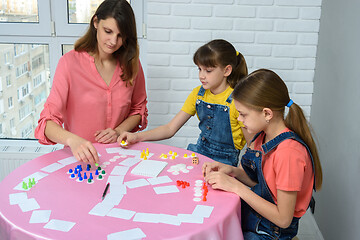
<point x="83" y="150"/>
<point x="128" y="137"/>
<point x="108" y="135"/>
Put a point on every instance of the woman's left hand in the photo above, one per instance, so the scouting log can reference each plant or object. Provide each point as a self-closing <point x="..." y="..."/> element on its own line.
<point x="108" y="135"/>
<point x="222" y="181"/>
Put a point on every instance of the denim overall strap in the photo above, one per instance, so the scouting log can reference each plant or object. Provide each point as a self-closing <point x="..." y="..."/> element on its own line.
<point x="216" y="139"/>
<point x="255" y="226"/>
<point x="267" y="147"/>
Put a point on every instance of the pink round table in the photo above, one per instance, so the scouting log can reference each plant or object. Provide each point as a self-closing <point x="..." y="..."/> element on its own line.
<point x="71" y="201"/>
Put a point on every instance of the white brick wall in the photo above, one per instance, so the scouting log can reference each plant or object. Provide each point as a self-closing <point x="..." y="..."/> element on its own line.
<point x="281" y="35"/>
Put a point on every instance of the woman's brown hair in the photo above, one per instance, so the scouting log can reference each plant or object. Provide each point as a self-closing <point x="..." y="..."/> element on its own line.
<point x="220" y="52"/>
<point x="265" y="89"/>
<point x="128" y="53"/>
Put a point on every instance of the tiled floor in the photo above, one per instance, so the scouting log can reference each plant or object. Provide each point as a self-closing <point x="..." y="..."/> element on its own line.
<point x="308" y="229"/>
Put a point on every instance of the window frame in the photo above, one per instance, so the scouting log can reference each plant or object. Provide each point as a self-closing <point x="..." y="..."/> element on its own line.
<point x="54" y="31"/>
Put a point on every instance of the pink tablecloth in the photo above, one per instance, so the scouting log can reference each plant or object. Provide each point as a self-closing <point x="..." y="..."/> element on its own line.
<point x="72" y="201"/>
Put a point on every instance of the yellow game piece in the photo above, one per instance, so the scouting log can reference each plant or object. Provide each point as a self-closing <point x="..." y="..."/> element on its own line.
<point x="193" y="154"/>
<point x="165" y="156"/>
<point x="142" y="155"/>
<point x="145" y="158"/>
<point x="162" y="155"/>
<point x="172" y="157"/>
<point x="185" y="155"/>
<point x="175" y="153"/>
<point x="123" y="143"/>
<point x="147" y="152"/>
<point x="170" y="152"/>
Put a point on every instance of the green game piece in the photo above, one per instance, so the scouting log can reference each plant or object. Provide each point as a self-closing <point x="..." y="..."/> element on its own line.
<point x="30" y="183"/>
<point x="89" y="180"/>
<point x="33" y="181"/>
<point x="100" y="176"/>
<point x="24" y="186"/>
<point x="103" y="172"/>
<point x="99" y="168"/>
<point x="96" y="164"/>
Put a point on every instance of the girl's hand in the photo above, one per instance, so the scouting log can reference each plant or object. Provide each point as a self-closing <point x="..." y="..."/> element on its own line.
<point x="108" y="135"/>
<point x="216" y="167"/>
<point x="128" y="137"/>
<point x="83" y="150"/>
<point x="222" y="181"/>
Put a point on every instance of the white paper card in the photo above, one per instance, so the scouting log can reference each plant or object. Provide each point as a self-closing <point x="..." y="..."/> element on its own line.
<point x="40" y="216"/>
<point x="116" y="180"/>
<point x="52" y="167"/>
<point x="112" y="199"/>
<point x="68" y="161"/>
<point x="131" y="234"/>
<point x="169" y="219"/>
<point x="37" y="176"/>
<point x="121" y="213"/>
<point x="101" y="209"/>
<point x="189" y="218"/>
<point x="149" y="168"/>
<point x="146" y="217"/>
<point x="159" y="180"/>
<point x="59" y="225"/>
<point x="137" y="183"/>
<point x="16" y="198"/>
<point x="203" y="211"/>
<point x="118" y="189"/>
<point x="166" y="189"/>
<point x="29" y="205"/>
<point x="119" y="170"/>
<point x="129" y="162"/>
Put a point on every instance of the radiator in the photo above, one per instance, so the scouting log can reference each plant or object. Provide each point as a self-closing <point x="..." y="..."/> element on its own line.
<point x="14" y="153"/>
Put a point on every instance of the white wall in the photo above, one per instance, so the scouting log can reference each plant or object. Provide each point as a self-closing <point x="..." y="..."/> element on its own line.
<point x="278" y="34"/>
<point x="335" y="117"/>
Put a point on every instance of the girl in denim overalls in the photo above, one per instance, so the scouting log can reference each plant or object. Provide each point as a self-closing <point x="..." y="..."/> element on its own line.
<point x="221" y="138"/>
<point x="281" y="165"/>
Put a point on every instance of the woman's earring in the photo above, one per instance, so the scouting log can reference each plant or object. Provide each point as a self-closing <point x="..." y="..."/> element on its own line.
<point x="267" y="121"/>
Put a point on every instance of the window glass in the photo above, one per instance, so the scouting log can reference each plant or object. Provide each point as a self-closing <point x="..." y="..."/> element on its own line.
<point x="26" y="72"/>
<point x="81" y="11"/>
<point x="28" y="29"/>
<point x="19" y="11"/>
<point x="67" y="48"/>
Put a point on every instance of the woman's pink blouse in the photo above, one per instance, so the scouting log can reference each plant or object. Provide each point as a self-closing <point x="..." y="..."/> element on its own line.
<point x="82" y="103"/>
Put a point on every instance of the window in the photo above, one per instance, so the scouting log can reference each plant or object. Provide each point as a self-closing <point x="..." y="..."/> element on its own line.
<point x="28" y="29"/>
<point x="10" y="102"/>
<point x="8" y="80"/>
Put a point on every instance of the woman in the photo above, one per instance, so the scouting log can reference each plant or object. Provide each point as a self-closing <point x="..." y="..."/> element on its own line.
<point x="98" y="90"/>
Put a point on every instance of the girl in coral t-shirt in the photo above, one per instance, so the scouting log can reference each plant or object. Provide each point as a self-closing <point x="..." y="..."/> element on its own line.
<point x="281" y="165"/>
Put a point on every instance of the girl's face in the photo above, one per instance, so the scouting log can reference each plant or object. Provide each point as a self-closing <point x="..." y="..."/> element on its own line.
<point x="253" y="120"/>
<point x="214" y="78"/>
<point x="108" y="36"/>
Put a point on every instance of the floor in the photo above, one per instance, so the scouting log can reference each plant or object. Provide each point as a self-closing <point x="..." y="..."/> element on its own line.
<point x="308" y="229"/>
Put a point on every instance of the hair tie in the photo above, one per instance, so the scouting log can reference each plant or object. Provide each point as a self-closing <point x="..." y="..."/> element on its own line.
<point x="290" y="103"/>
<point x="237" y="53"/>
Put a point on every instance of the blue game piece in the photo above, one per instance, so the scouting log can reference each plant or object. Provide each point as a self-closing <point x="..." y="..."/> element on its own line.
<point x="76" y="171"/>
<point x="85" y="177"/>
<point x="72" y="175"/>
<point x="79" y="175"/>
<point x="91" y="176"/>
<point x="70" y="170"/>
<point x="80" y="178"/>
<point x="97" y="172"/>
